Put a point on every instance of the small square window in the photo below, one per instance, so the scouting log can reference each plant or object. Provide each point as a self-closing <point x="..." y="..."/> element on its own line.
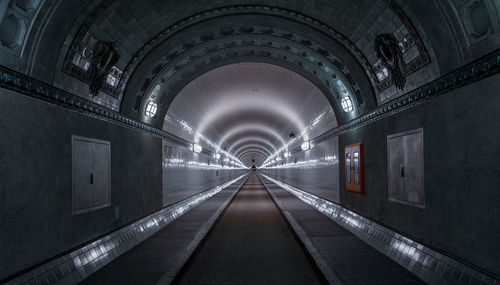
<point x="86" y="66"/>
<point x="381" y="71"/>
<point x="76" y="59"/>
<point x="382" y="74"/>
<point x="111" y="80"/>
<point x="86" y="52"/>
<point x="82" y="58"/>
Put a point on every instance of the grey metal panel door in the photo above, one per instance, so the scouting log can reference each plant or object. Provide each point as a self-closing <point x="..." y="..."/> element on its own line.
<point x="395" y="158"/>
<point x="91" y="174"/>
<point x="414" y="165"/>
<point x="101" y="168"/>
<point x="83" y="197"/>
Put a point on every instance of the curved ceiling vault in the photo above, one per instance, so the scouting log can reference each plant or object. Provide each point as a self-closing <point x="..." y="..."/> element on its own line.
<point x="242" y="76"/>
<point x="249" y="109"/>
<point x="198" y="44"/>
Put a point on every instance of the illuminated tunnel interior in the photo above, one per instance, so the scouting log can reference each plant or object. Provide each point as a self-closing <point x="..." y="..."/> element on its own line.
<point x="250" y="106"/>
<point x="249" y="142"/>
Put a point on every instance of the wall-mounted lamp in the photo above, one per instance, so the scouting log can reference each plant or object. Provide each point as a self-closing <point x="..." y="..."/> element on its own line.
<point x="151" y="109"/>
<point x="305" y="145"/>
<point x="347" y="104"/>
<point x="197" y="148"/>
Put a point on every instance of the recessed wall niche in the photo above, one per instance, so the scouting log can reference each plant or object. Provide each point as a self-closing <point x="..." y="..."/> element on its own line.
<point x="476" y="19"/>
<point x="16" y="17"/>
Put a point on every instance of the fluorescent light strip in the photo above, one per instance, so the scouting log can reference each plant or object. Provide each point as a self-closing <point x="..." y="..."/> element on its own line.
<point x="302" y="134"/>
<point x="187" y="128"/>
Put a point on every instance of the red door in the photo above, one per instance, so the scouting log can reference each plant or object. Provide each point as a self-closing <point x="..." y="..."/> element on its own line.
<point x="354" y="167"/>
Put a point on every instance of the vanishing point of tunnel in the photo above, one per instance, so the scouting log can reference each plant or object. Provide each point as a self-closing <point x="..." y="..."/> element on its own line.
<point x="250" y="142"/>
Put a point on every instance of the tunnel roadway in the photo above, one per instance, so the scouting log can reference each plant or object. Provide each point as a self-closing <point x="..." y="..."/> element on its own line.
<point x="250" y="244"/>
<point x="245" y="239"/>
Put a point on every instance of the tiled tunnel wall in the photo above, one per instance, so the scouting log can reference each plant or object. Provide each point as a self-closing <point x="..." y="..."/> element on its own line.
<point x="36" y="221"/>
<point x="186" y="173"/>
<point x="36" y="166"/>
<point x="460" y="214"/>
<point x="460" y="148"/>
<point x="315" y="171"/>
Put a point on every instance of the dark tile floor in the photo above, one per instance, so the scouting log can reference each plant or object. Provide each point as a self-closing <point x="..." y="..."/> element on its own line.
<point x="352" y="260"/>
<point x="250" y="244"/>
<point x="148" y="262"/>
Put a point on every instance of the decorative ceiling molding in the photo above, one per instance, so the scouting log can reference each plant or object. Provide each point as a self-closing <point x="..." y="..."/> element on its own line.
<point x="245" y="10"/>
<point x="278" y="14"/>
<point x="484" y="67"/>
<point x="235" y="43"/>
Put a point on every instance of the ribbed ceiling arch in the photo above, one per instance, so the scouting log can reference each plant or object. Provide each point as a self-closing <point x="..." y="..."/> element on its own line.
<point x="249" y="106"/>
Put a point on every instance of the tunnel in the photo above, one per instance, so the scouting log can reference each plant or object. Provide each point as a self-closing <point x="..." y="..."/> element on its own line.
<point x="249" y="142"/>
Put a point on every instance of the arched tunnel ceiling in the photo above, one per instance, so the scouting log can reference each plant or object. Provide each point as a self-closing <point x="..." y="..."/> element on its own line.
<point x="317" y="39"/>
<point x="323" y="59"/>
<point x="165" y="45"/>
<point x="163" y="42"/>
<point x="249" y="106"/>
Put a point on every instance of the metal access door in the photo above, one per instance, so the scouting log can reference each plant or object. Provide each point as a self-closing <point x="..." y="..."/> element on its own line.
<point x="91" y="161"/>
<point x="354" y="167"/>
<point x="405" y="158"/>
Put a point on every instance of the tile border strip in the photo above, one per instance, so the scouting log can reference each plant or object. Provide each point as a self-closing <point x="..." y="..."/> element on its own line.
<point x="15" y="81"/>
<point x="483" y="67"/>
<point x="428" y="264"/>
<point x="79" y="264"/>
